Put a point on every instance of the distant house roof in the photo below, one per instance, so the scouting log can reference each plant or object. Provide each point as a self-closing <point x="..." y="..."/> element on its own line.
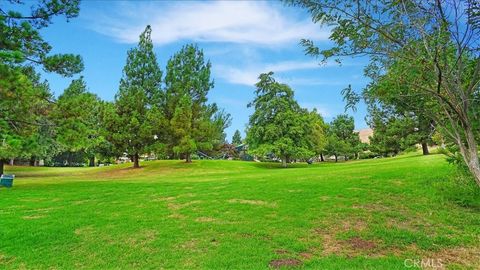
<point x="365" y="135"/>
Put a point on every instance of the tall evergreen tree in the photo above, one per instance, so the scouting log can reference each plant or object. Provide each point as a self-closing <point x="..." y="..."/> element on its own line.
<point x="278" y="125"/>
<point x="133" y="123"/>
<point x="78" y="119"/>
<point x="237" y="138"/>
<point x="21" y="47"/>
<point x="187" y="83"/>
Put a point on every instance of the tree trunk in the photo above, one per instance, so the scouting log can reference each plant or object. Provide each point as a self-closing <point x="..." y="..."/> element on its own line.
<point x="12" y="162"/>
<point x="136" y="161"/>
<point x="336" y="158"/>
<point x="321" y="157"/>
<point x="474" y="167"/>
<point x="474" y="163"/>
<point x="188" y="158"/>
<point x="470" y="154"/>
<point x="346" y="158"/>
<point x="284" y="162"/>
<point x="32" y="161"/>
<point x="425" y="148"/>
<point x="91" y="161"/>
<point x="1" y="167"/>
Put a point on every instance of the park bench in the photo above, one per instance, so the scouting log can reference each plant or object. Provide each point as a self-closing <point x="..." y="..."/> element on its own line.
<point x="6" y="180"/>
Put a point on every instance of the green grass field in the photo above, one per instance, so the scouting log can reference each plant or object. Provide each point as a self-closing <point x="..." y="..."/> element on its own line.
<point x="370" y="214"/>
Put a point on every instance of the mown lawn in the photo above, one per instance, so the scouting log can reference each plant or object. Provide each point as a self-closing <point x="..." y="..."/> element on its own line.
<point x="369" y="214"/>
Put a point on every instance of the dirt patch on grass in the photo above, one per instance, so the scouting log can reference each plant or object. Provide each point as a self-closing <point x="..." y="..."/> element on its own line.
<point x="359" y="243"/>
<point x="174" y="206"/>
<point x="330" y="245"/>
<point x="462" y="257"/>
<point x="84" y="230"/>
<point x="188" y="195"/>
<point x="4" y="260"/>
<point x="357" y="225"/>
<point x="253" y="202"/>
<point x="141" y="239"/>
<point x="119" y="173"/>
<point x="306" y="255"/>
<point x="324" y="198"/>
<point x="467" y="257"/>
<point x="82" y="202"/>
<point x="205" y="219"/>
<point x="177" y="206"/>
<point x="281" y="251"/>
<point x="189" y="245"/>
<point x="279" y="263"/>
<point x="33" y="217"/>
<point x="177" y="216"/>
<point x="353" y="246"/>
<point x="164" y="199"/>
<point x="371" y="207"/>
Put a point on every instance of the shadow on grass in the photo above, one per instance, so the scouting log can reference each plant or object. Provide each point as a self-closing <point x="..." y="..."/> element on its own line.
<point x="278" y="165"/>
<point x="461" y="190"/>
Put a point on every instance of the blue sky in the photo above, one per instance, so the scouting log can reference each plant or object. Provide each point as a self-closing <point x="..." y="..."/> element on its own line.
<point x="241" y="39"/>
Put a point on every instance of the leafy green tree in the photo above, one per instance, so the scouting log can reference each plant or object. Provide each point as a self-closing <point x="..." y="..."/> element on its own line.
<point x="21" y="42"/>
<point x="335" y="146"/>
<point x="182" y="126"/>
<point x="24" y="105"/>
<point x="431" y="45"/>
<point x="78" y="120"/>
<point x="277" y="125"/>
<point x="237" y="138"/>
<point x="393" y="133"/>
<point x="318" y="135"/>
<point x="387" y="98"/>
<point x="21" y="96"/>
<point x="135" y="120"/>
<point x="342" y="138"/>
<point x="187" y="84"/>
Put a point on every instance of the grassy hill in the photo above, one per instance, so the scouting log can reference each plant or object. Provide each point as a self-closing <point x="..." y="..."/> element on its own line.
<point x="369" y="214"/>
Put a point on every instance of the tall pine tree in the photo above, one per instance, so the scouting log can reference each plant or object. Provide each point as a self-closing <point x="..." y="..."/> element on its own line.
<point x="237" y="138"/>
<point x="133" y="124"/>
<point x="196" y="125"/>
<point x="77" y="117"/>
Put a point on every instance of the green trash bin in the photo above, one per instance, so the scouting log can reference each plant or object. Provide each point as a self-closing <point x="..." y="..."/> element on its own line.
<point x="6" y="180"/>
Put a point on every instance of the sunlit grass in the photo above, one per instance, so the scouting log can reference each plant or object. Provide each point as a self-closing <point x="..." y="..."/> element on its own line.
<point x="240" y="215"/>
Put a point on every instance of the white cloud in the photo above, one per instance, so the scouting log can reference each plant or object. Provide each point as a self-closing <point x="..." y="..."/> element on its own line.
<point x="308" y="81"/>
<point x="246" y="22"/>
<point x="249" y="75"/>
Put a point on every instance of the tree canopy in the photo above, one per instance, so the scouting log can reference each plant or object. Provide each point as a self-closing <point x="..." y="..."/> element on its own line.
<point x="132" y="120"/>
<point x="278" y="125"/>
<point x="431" y="47"/>
<point x="195" y="124"/>
<point x="23" y="97"/>
<point x="237" y="138"/>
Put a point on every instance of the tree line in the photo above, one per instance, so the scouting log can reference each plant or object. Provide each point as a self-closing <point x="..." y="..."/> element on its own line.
<point x="425" y="87"/>
<point x="280" y="127"/>
<point x="165" y="114"/>
<point x="424" y="66"/>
